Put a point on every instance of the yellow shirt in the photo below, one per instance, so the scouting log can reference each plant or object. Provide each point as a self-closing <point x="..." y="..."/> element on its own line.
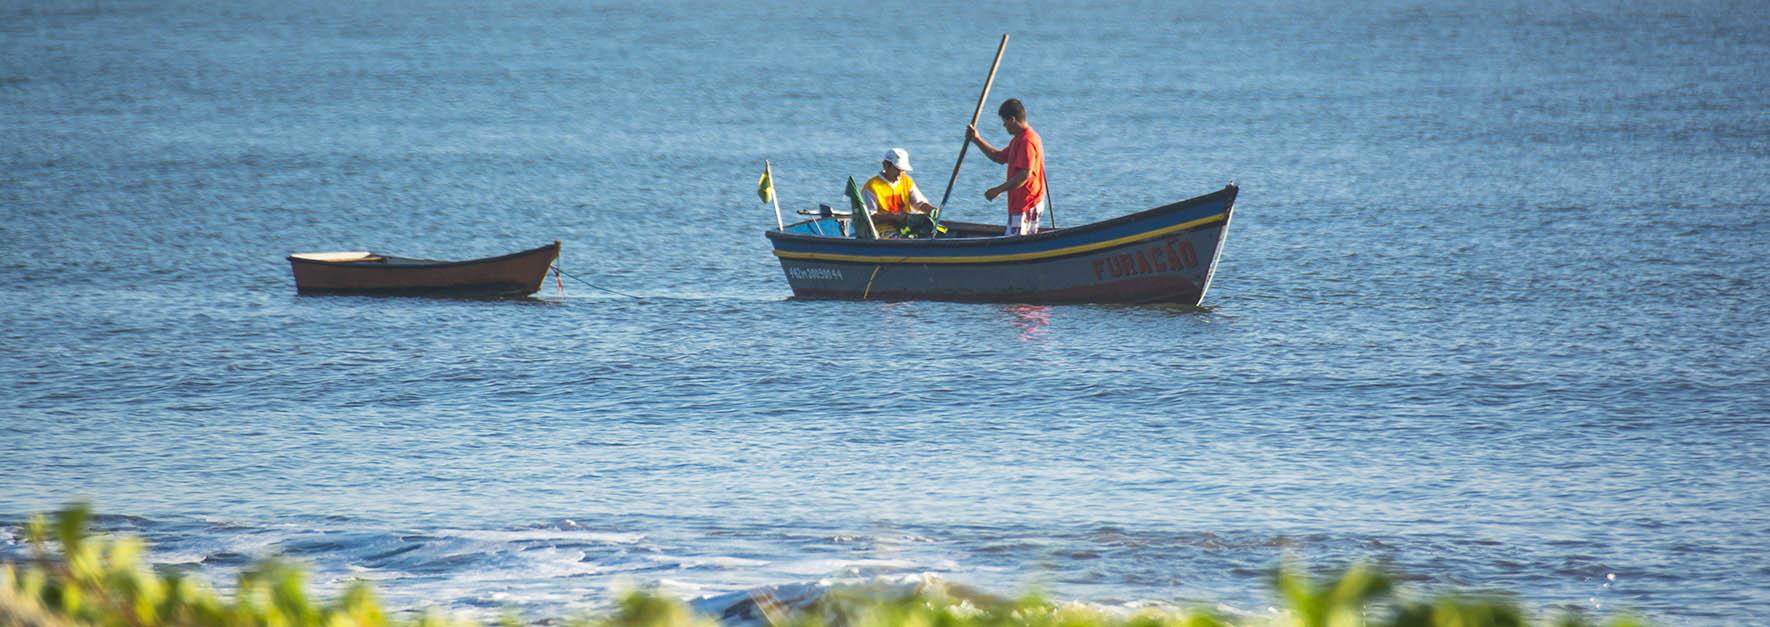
<point x="898" y="197"/>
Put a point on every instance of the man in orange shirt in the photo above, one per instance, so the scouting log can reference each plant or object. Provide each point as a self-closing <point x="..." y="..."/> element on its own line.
<point x="1025" y="158"/>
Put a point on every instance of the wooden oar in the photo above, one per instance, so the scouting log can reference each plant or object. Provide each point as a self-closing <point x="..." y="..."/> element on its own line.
<point x="981" y="99"/>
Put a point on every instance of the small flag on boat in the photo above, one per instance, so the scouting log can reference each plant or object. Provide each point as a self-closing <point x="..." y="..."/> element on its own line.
<point x="853" y="194"/>
<point x="765" y="186"/>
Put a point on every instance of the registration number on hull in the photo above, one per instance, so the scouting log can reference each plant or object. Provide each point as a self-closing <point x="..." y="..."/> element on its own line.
<point x="815" y="274"/>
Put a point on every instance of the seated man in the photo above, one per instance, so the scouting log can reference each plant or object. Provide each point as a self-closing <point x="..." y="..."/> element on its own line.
<point x="891" y="197"/>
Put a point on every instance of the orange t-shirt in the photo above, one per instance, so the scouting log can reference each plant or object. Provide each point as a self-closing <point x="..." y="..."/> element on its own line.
<point x="1027" y="152"/>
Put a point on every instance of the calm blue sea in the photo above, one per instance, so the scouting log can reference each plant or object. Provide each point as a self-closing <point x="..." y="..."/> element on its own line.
<point x="1492" y="310"/>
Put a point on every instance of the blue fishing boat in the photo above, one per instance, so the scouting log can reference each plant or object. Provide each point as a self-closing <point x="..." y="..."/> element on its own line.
<point x="1164" y="255"/>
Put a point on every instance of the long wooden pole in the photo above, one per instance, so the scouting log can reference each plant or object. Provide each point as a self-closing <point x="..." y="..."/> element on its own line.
<point x="981" y="99"/>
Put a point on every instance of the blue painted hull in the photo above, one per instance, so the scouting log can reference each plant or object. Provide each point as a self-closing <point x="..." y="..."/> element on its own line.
<point x="1163" y="255"/>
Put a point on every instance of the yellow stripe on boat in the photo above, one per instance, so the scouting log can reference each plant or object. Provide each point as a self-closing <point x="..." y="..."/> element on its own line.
<point x="1043" y="254"/>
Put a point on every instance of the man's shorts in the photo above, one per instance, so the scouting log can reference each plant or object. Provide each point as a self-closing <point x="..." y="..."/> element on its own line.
<point x="1027" y="223"/>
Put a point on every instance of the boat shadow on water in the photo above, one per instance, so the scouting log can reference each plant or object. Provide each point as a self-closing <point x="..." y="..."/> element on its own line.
<point x="420" y="295"/>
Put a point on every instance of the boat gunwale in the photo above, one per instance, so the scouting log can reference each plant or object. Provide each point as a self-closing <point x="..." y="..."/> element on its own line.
<point x="1052" y="235"/>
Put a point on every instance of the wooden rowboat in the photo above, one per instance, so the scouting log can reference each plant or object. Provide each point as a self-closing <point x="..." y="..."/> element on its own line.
<point x="515" y="274"/>
<point x="1164" y="255"/>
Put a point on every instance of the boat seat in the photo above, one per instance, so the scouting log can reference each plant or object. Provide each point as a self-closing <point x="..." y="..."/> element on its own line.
<point x="338" y="257"/>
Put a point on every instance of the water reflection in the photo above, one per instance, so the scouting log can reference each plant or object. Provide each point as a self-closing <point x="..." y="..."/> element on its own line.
<point x="1031" y="320"/>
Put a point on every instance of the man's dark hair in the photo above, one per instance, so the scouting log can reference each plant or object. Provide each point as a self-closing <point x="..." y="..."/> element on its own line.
<point x="1011" y="108"/>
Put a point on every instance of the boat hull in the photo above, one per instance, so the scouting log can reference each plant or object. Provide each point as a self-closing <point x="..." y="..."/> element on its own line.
<point x="515" y="274"/>
<point x="1164" y="255"/>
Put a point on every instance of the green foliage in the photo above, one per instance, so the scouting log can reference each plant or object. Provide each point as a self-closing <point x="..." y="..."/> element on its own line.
<point x="105" y="582"/>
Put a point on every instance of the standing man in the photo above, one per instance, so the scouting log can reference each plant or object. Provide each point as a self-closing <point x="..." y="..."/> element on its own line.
<point x="1025" y="158"/>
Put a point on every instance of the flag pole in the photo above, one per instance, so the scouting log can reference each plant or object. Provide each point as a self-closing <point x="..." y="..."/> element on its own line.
<point x="768" y="171"/>
<point x="981" y="99"/>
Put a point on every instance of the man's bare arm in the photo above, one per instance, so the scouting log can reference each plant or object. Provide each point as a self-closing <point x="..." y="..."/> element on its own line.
<point x="1016" y="178"/>
<point x="997" y="156"/>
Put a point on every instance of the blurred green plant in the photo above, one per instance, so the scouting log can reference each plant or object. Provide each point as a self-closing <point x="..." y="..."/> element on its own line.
<point x="79" y="580"/>
<point x="105" y="582"/>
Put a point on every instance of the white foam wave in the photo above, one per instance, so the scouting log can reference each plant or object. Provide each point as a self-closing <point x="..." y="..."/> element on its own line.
<point x="721" y="562"/>
<point x="546" y="535"/>
<point x="840" y="567"/>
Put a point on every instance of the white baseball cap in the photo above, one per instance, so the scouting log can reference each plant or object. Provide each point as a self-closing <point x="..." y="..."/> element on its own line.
<point x="899" y="157"/>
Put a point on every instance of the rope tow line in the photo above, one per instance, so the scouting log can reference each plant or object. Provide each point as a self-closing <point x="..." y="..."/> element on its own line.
<point x="869" y="289"/>
<point x="557" y="272"/>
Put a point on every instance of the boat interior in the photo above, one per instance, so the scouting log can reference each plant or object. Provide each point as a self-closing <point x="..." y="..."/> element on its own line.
<point x="827" y="223"/>
<point x="341" y="257"/>
<point x="366" y="257"/>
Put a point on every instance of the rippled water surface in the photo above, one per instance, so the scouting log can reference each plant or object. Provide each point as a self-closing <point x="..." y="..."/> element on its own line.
<point x="1491" y="311"/>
